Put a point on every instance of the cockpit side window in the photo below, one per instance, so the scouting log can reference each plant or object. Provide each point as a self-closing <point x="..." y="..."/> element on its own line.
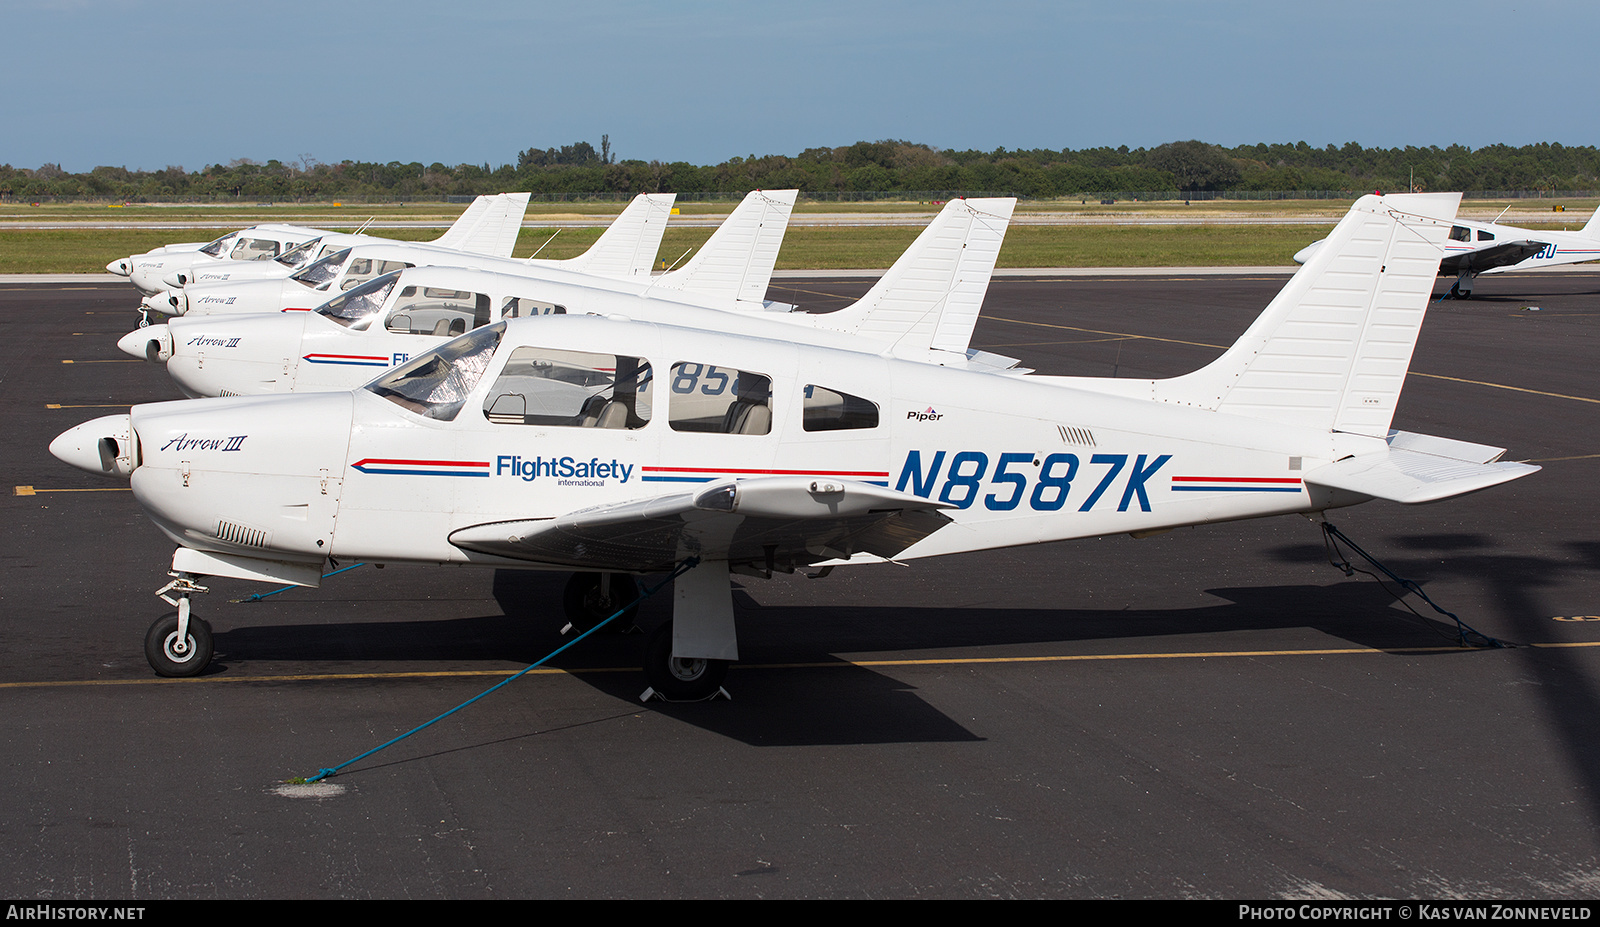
<point x="362" y="269"/>
<point x="719" y="400"/>
<point x="1485" y="236"/>
<point x="254" y="249"/>
<point x="436" y="384"/>
<point x="299" y="254"/>
<point x="428" y="310"/>
<point x="575" y="389"/>
<point x="824" y="409"/>
<point x="1460" y="233"/>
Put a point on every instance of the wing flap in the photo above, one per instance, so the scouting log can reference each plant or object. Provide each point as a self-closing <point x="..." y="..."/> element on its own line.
<point x="777" y="522"/>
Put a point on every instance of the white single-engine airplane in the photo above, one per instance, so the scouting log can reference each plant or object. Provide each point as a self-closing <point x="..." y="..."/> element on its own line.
<point x="731" y="271"/>
<point x="1475" y="248"/>
<point x="612" y="446"/>
<point x="489" y="225"/>
<point x="388" y="320"/>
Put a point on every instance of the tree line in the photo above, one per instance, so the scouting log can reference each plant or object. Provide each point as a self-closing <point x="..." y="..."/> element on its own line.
<point x="888" y="166"/>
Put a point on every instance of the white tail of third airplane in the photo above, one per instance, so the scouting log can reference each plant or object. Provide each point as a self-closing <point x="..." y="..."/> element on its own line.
<point x="628" y="247"/>
<point x="736" y="262"/>
<point x="489" y="226"/>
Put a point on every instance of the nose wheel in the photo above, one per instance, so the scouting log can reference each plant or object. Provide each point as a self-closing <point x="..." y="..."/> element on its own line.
<point x="590" y="598"/>
<point x="172" y="653"/>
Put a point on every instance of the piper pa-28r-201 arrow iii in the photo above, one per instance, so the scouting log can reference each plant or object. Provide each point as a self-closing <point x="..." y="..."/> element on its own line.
<point x="489" y="225"/>
<point x="612" y="447"/>
<point x="1474" y="248"/>
<point x="734" y="265"/>
<point x="386" y="321"/>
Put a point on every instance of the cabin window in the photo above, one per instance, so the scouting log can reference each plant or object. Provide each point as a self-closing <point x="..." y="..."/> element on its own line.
<point x="1460" y="233"/>
<point x="824" y="409"/>
<point x="363" y="269"/>
<point x="356" y="308"/>
<point x="574" y="389"/>
<point x="436" y="384"/>
<point x="720" y="400"/>
<point x="1485" y="236"/>
<point x="429" y="310"/>
<point x="517" y="307"/>
<point x="254" y="249"/>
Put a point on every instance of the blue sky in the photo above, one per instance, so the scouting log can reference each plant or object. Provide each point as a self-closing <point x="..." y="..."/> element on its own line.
<point x="145" y="84"/>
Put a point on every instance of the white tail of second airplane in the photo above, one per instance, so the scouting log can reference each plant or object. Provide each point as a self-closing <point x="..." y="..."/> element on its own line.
<point x="736" y="262"/>
<point x="628" y="247"/>
<point x="489" y="226"/>
<point x="927" y="304"/>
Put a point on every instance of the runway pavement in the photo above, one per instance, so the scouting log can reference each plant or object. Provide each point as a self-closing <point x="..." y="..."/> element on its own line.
<point x="1213" y="713"/>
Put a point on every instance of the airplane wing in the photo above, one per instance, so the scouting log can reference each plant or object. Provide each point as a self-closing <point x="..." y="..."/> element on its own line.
<point x="1418" y="468"/>
<point x="776" y="522"/>
<point x="1503" y="254"/>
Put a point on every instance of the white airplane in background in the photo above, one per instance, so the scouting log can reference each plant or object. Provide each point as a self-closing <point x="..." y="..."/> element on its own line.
<point x="1475" y="248"/>
<point x="386" y="321"/>
<point x="489" y="224"/>
<point x="734" y="265"/>
<point x="627" y="248"/>
<point x="612" y="446"/>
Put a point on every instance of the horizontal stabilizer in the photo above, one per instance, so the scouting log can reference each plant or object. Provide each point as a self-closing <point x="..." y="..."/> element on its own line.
<point x="489" y="226"/>
<point x="779" y="522"/>
<point x="1417" y="468"/>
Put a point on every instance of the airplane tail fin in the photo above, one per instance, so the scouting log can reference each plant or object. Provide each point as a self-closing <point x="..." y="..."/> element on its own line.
<point x="628" y="247"/>
<point x="1592" y="227"/>
<point x="736" y="262"/>
<point x="928" y="302"/>
<point x="1332" y="349"/>
<point x="489" y="226"/>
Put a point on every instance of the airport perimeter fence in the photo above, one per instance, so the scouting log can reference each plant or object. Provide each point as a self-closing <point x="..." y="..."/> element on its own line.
<point x="825" y="196"/>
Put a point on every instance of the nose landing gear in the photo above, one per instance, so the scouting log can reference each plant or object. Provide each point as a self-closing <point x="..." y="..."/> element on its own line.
<point x="179" y="644"/>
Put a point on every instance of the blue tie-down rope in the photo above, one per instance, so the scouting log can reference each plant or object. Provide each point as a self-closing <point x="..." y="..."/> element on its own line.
<point x="1466" y="635"/>
<point x="683" y="568"/>
<point x="256" y="597"/>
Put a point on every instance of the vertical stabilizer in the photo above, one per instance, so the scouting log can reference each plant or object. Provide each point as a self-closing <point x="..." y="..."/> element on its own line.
<point x="489" y="226"/>
<point x="930" y="299"/>
<point x="1332" y="348"/>
<point x="629" y="246"/>
<point x="737" y="260"/>
<point x="1592" y="227"/>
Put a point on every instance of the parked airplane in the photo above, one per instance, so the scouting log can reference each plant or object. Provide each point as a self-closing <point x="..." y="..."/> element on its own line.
<point x="490" y="225"/>
<point x="545" y="444"/>
<point x="732" y="268"/>
<point x="627" y="248"/>
<point x="388" y="320"/>
<point x="1477" y="248"/>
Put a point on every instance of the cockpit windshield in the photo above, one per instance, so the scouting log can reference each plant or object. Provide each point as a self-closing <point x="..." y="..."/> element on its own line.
<point x="299" y="254"/>
<point x="220" y="247"/>
<point x="436" y="384"/>
<point x="319" y="273"/>
<point x="355" y="309"/>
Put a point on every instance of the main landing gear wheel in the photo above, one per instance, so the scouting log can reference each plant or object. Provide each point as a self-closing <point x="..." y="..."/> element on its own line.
<point x="680" y="679"/>
<point x="591" y="598"/>
<point x="169" y="656"/>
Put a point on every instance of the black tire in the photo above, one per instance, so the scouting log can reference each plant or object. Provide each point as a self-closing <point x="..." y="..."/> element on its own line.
<point x="591" y="598"/>
<point x="680" y="680"/>
<point x="162" y="637"/>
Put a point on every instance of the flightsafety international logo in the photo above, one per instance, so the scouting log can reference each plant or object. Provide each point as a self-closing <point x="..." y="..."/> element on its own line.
<point x="566" y="471"/>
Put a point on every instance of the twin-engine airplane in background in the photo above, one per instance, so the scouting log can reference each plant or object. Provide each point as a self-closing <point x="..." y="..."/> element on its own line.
<point x="612" y="446"/>
<point x="731" y="270"/>
<point x="914" y="312"/>
<point x="489" y="225"/>
<point x="1475" y="248"/>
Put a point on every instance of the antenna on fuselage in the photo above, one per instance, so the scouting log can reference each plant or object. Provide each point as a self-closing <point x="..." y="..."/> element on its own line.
<point x="541" y="247"/>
